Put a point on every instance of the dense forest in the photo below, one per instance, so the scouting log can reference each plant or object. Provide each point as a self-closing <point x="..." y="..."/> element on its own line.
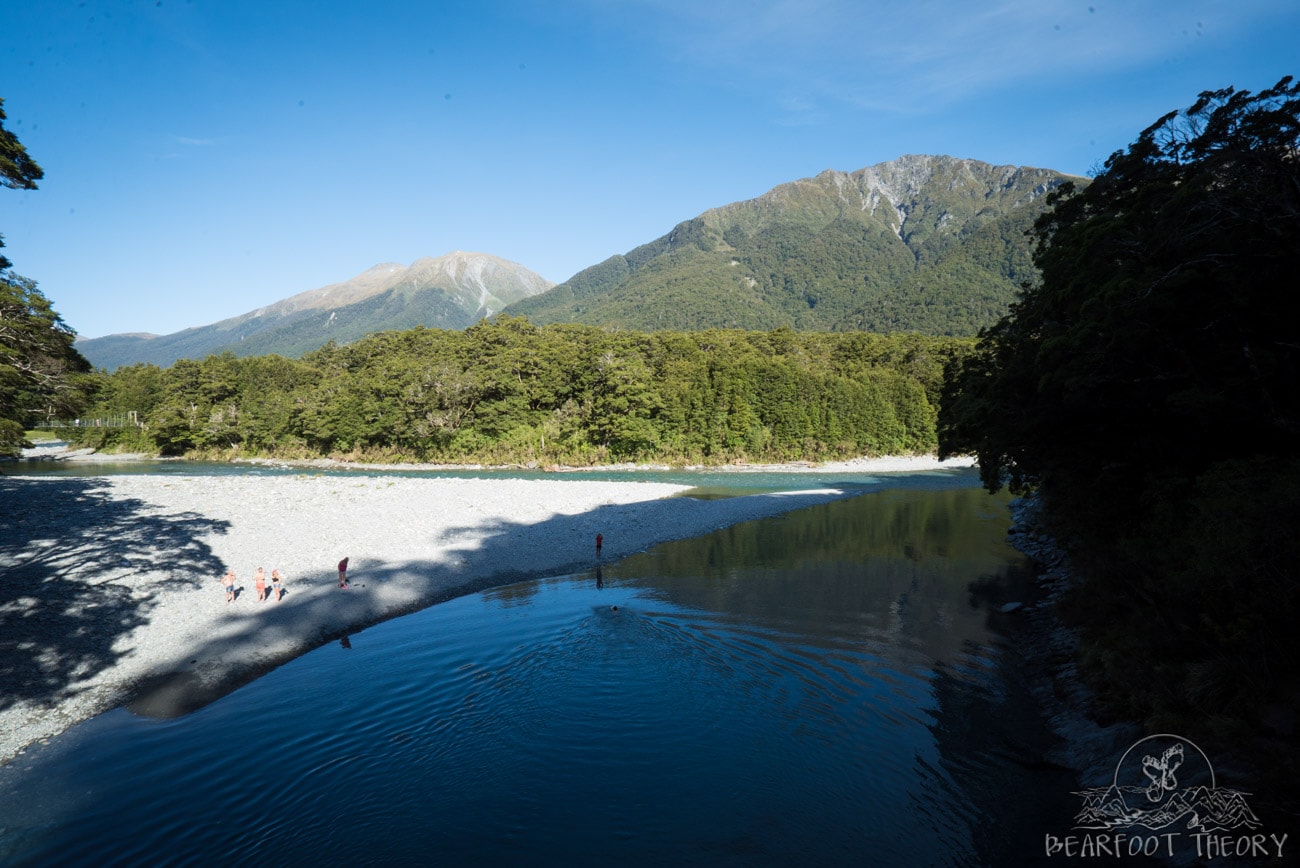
<point x="506" y="391"/>
<point x="1145" y="390"/>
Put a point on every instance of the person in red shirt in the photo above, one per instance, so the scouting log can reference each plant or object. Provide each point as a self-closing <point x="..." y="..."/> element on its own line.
<point x="343" y="573"/>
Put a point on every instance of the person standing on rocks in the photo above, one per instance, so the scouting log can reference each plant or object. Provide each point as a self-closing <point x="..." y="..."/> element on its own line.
<point x="276" y="587"/>
<point x="259" y="584"/>
<point x="228" y="582"/>
<point x="343" y="573"/>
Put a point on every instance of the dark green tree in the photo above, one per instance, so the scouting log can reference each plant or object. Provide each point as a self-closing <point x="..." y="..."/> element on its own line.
<point x="1160" y="334"/>
<point x="41" y="376"/>
<point x="1145" y="388"/>
<point x="18" y="171"/>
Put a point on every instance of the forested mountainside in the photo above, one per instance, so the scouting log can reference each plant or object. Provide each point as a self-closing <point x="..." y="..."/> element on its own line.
<point x="930" y="244"/>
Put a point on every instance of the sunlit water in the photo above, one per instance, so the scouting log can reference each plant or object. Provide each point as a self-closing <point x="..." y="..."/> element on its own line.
<point x="821" y="688"/>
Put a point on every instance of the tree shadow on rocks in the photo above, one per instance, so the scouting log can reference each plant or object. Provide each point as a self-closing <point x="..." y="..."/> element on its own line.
<point x="80" y="568"/>
<point x="465" y="559"/>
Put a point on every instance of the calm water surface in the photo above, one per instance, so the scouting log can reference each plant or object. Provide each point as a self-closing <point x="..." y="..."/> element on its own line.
<point x="821" y="688"/>
<point x="704" y="482"/>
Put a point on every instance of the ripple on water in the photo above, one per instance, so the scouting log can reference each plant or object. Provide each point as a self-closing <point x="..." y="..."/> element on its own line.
<point x="546" y="725"/>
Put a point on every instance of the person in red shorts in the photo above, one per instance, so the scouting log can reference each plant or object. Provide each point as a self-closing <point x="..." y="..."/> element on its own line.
<point x="343" y="573"/>
<point x="259" y="585"/>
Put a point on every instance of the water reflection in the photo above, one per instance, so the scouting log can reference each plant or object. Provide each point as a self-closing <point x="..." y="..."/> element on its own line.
<point x="894" y="567"/>
<point x="1001" y="795"/>
<point x="815" y="689"/>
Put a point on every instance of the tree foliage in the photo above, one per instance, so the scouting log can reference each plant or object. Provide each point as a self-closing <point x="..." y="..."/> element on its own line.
<point x="17" y="170"/>
<point x="41" y="375"/>
<point x="507" y="391"/>
<point x="1145" y="387"/>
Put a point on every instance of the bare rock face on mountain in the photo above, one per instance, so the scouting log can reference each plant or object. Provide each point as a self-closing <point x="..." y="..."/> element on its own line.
<point x="478" y="283"/>
<point x="451" y="292"/>
<point x="928" y="244"/>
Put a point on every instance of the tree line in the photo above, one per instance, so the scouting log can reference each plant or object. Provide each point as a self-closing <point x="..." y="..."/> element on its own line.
<point x="506" y="391"/>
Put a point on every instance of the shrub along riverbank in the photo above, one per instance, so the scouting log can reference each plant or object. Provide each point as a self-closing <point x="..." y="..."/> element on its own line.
<point x="505" y="391"/>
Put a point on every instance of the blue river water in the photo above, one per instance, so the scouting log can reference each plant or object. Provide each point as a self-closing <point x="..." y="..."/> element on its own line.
<point x="719" y="482"/>
<point x="828" y="687"/>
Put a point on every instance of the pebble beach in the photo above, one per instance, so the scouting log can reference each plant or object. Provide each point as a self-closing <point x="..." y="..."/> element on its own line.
<point x="111" y="591"/>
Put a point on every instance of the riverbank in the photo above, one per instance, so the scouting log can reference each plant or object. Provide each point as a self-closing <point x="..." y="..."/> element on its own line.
<point x="1088" y="743"/>
<point x="881" y="464"/>
<point x="112" y="587"/>
<point x="1049" y="653"/>
<point x="58" y="450"/>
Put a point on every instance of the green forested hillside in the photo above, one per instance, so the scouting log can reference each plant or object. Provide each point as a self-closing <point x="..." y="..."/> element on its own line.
<point x="505" y="391"/>
<point x="934" y="245"/>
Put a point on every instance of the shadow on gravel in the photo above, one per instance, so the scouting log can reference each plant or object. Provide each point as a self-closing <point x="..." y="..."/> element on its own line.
<point x="72" y="561"/>
<point x="482" y="556"/>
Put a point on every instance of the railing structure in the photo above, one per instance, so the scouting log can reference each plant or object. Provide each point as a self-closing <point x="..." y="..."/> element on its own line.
<point x="129" y="419"/>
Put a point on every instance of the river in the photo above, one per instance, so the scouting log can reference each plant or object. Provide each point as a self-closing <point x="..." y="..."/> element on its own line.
<point x="829" y="687"/>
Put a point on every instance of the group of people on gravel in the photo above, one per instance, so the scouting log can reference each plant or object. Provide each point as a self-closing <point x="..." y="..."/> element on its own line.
<point x="264" y="592"/>
<point x="276" y="588"/>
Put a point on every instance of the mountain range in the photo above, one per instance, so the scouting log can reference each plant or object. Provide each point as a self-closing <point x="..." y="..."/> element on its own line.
<point x="450" y="292"/>
<point x="927" y="244"/>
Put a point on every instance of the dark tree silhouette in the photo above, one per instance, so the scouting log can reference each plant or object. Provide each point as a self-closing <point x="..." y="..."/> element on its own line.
<point x="1145" y="388"/>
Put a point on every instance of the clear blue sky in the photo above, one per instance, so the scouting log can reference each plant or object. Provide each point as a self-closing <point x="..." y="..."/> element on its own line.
<point x="205" y="157"/>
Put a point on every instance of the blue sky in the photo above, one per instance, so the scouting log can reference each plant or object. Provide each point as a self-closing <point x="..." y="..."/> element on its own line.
<point x="205" y="157"/>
